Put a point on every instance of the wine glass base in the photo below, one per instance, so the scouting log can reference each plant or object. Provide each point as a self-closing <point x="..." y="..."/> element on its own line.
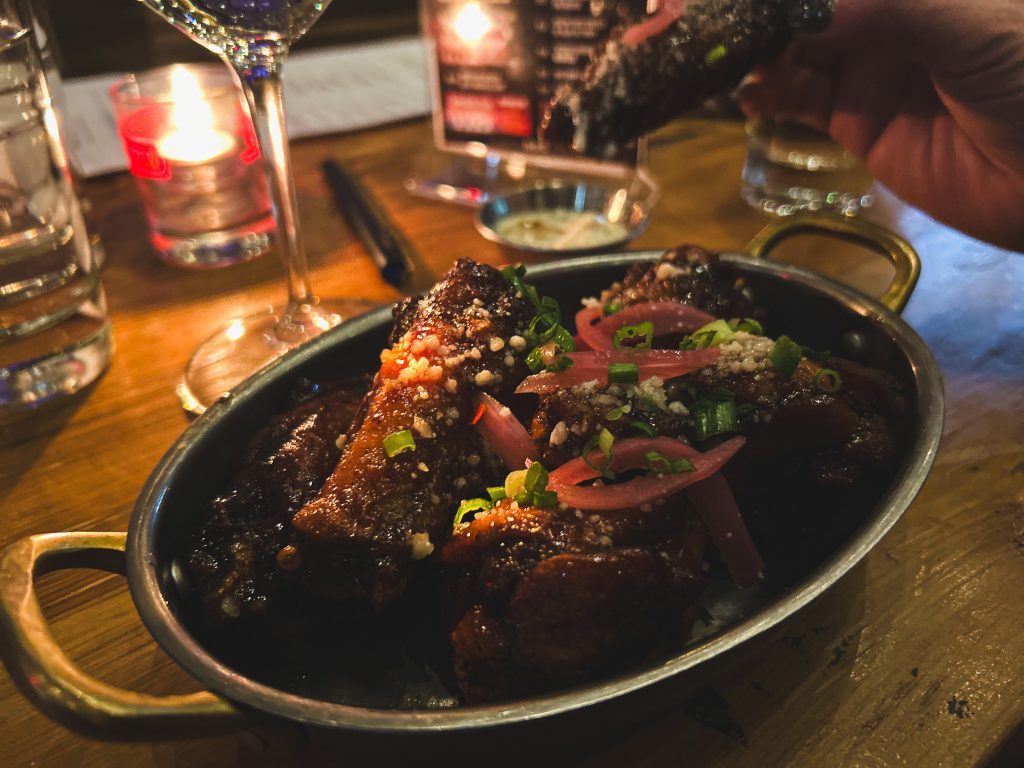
<point x="248" y="344"/>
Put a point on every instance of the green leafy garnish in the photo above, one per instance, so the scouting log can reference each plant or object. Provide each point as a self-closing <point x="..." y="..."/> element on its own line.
<point x="714" y="418"/>
<point x="785" y="355"/>
<point x="533" y="491"/>
<point x="747" y="325"/>
<point x="716" y="54"/>
<point x="496" y="492"/>
<point x="641" y="335"/>
<point x="470" y="507"/>
<point x="399" y="442"/>
<point x="659" y="464"/>
<point x="623" y="373"/>
<point x="813" y="354"/>
<point x="603" y="442"/>
<point x="643" y="426"/>
<point x="713" y="334"/>
<point x="828" y="380"/>
<point x="617" y="413"/>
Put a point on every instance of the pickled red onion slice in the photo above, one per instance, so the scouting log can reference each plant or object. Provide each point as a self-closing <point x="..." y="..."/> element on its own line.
<point x="669" y="317"/>
<point x="593" y="366"/>
<point x="643" y="490"/>
<point x="504" y="434"/>
<point x="714" y="502"/>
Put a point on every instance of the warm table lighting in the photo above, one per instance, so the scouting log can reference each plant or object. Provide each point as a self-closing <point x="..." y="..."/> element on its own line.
<point x="192" y="150"/>
<point x="192" y="136"/>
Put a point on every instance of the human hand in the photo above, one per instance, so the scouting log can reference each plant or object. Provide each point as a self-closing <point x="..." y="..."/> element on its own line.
<point x="928" y="93"/>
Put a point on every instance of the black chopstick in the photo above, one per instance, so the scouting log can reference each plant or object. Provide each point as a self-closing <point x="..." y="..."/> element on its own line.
<point x="369" y="222"/>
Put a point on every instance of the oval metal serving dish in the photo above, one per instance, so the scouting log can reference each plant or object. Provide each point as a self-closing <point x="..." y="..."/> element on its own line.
<point x="799" y="302"/>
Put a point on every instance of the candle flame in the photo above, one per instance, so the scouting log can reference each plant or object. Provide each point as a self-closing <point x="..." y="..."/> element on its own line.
<point x="191" y="135"/>
<point x="471" y="23"/>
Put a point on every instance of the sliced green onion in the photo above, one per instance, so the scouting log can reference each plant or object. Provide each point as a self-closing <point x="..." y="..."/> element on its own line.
<point x="785" y="355"/>
<point x="496" y="492"/>
<point x="813" y="354"/>
<point x="514" y="275"/>
<point x="470" y="507"/>
<point x="617" y="413"/>
<point x="641" y="333"/>
<point x="562" y="363"/>
<point x="747" y="325"/>
<point x="659" y="464"/>
<point x="716" y="54"/>
<point x="828" y="380"/>
<point x="714" y="334"/>
<point x="536" y="478"/>
<point x="686" y="342"/>
<point x="643" y="426"/>
<point x="602" y="441"/>
<point x="623" y="373"/>
<point x="544" y="499"/>
<point x="611" y="308"/>
<point x="714" y="419"/>
<point x="399" y="442"/>
<point x="529" y="487"/>
<point x="564" y="340"/>
<point x="535" y="360"/>
<point x="514" y="483"/>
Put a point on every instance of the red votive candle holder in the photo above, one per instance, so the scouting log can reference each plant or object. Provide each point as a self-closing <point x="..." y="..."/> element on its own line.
<point x="192" y="149"/>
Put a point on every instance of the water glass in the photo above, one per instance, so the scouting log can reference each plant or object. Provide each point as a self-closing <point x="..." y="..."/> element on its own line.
<point x="791" y="168"/>
<point x="54" y="332"/>
<point x="193" y="152"/>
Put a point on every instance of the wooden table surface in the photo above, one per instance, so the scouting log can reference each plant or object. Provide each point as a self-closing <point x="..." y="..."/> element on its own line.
<point x="915" y="658"/>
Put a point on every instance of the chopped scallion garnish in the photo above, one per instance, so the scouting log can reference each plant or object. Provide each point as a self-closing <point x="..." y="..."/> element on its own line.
<point x="617" y="413"/>
<point x="640" y="336"/>
<point x="562" y="363"/>
<point x="603" y="442"/>
<point x="828" y="380"/>
<point x="399" y="442"/>
<point x="611" y="308"/>
<point x="714" y="418"/>
<point x="747" y="325"/>
<point x="659" y="464"/>
<point x="496" y="492"/>
<point x="529" y="487"/>
<point x="643" y="426"/>
<point x="470" y="507"/>
<point x="785" y="355"/>
<point x="716" y="54"/>
<point x="623" y="373"/>
<point x="536" y="478"/>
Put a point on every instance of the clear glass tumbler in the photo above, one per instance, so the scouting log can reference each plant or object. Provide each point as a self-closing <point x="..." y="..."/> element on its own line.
<point x="54" y="332"/>
<point x="791" y="168"/>
<point x="192" y="149"/>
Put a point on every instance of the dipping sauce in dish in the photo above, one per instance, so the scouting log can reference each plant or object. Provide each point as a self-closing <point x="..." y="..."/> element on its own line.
<point x="561" y="229"/>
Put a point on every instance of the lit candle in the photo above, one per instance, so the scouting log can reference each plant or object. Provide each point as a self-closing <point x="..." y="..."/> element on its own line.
<point x="192" y="136"/>
<point x="471" y="23"/>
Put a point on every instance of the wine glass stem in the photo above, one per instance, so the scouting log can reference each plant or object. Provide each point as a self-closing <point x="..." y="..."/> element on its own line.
<point x="263" y="90"/>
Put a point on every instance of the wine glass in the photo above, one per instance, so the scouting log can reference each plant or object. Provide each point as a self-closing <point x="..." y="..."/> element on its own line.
<point x="253" y="37"/>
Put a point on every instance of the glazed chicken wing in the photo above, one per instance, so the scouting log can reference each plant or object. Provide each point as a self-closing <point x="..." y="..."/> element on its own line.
<point x="413" y="453"/>
<point x="633" y="87"/>
<point x="232" y="558"/>
<point x="548" y="598"/>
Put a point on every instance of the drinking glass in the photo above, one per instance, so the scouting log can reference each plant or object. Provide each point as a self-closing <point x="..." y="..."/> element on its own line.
<point x="54" y="333"/>
<point x="791" y="168"/>
<point x="253" y="37"/>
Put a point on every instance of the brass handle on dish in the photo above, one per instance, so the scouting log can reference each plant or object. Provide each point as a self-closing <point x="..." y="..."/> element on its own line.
<point x="902" y="255"/>
<point x="52" y="681"/>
